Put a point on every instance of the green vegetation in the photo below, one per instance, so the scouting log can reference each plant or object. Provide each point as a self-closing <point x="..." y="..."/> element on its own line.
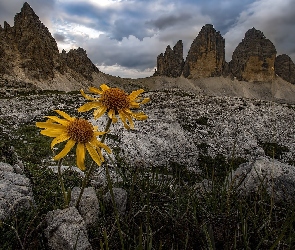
<point x="166" y="207"/>
<point x="274" y="150"/>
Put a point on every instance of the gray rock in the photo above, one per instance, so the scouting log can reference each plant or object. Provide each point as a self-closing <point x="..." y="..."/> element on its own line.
<point x="120" y="197"/>
<point x="15" y="192"/>
<point x="89" y="205"/>
<point x="66" y="230"/>
<point x="277" y="178"/>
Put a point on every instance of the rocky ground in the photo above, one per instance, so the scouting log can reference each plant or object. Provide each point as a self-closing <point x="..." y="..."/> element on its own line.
<point x="181" y="126"/>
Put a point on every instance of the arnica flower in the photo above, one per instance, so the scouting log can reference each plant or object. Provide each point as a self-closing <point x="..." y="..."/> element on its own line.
<point x="115" y="101"/>
<point x="74" y="131"/>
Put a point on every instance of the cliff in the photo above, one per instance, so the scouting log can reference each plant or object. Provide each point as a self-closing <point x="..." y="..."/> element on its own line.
<point x="29" y="53"/>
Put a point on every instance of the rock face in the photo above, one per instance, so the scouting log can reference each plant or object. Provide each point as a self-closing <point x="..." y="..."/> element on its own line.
<point x="15" y="191"/>
<point x="28" y="51"/>
<point x="206" y="56"/>
<point x="66" y="230"/>
<point x="171" y="63"/>
<point x="285" y="68"/>
<point x="77" y="60"/>
<point x="277" y="178"/>
<point x="253" y="59"/>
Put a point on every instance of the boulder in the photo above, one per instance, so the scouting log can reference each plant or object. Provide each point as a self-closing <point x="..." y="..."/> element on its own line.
<point x="89" y="205"/>
<point x="120" y="198"/>
<point x="66" y="230"/>
<point x="15" y="192"/>
<point x="277" y="178"/>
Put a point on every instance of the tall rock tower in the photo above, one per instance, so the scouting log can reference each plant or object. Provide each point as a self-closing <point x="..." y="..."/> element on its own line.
<point x="38" y="49"/>
<point x="171" y="63"/>
<point x="254" y="58"/>
<point x="206" y="56"/>
<point x="285" y="68"/>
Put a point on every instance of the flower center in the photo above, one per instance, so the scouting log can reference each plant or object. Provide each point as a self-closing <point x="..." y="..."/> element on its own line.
<point x="80" y="130"/>
<point x="115" y="98"/>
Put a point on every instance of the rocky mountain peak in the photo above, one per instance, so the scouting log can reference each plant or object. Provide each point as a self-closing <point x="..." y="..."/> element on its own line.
<point x="254" y="34"/>
<point x="171" y="63"/>
<point x="29" y="51"/>
<point x="285" y="68"/>
<point x="206" y="56"/>
<point x="253" y="59"/>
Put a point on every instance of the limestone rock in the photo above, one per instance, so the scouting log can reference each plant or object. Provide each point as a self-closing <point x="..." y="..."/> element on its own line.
<point x="77" y="60"/>
<point x="171" y="63"/>
<point x="206" y="56"/>
<point x="15" y="192"/>
<point x="253" y="59"/>
<point x="66" y="230"/>
<point x="38" y="50"/>
<point x="120" y="197"/>
<point x="276" y="177"/>
<point x="285" y="68"/>
<point x="89" y="205"/>
<point x="29" y="52"/>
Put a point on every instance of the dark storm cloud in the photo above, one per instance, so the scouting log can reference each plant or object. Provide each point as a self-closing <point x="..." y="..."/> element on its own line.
<point x="167" y="21"/>
<point x="59" y="37"/>
<point x="131" y="33"/>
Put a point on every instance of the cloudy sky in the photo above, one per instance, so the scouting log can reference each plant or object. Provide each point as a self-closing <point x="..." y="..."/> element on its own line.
<point x="124" y="37"/>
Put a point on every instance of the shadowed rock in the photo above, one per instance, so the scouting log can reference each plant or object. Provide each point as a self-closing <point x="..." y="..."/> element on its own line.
<point x="206" y="56"/>
<point x="66" y="230"/>
<point x="171" y="63"/>
<point x="275" y="177"/>
<point x="15" y="192"/>
<point x="253" y="59"/>
<point x="285" y="68"/>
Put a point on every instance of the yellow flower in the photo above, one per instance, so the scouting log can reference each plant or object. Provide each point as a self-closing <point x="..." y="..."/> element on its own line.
<point x="74" y="130"/>
<point x="115" y="101"/>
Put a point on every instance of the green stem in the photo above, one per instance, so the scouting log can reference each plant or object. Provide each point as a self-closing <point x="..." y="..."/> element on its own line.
<point x="114" y="205"/>
<point x="106" y="130"/>
<point x="84" y="183"/>
<point x="91" y="168"/>
<point x="59" y="174"/>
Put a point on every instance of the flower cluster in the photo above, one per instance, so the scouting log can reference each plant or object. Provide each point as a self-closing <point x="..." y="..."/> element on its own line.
<point x="80" y="132"/>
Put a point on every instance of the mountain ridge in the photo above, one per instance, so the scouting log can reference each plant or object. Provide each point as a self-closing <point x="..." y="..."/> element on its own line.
<point x="31" y="61"/>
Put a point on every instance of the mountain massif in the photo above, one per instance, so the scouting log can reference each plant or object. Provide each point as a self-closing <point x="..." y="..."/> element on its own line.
<point x="253" y="60"/>
<point x="30" y="59"/>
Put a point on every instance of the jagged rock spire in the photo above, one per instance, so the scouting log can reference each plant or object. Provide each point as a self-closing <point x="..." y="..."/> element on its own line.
<point x="253" y="59"/>
<point x="206" y="56"/>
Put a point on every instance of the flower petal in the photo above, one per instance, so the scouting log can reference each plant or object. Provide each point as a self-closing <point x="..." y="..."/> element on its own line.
<point x="104" y="87"/>
<point x="139" y="116"/>
<point x="97" y="133"/>
<point x="52" y="132"/>
<point x="80" y="153"/>
<point x="112" y="115"/>
<point x="60" y="121"/>
<point x="70" y="144"/>
<point x="135" y="94"/>
<point x="99" y="112"/>
<point x="88" y="97"/>
<point x="99" y="144"/>
<point x="49" y="125"/>
<point x="95" y="90"/>
<point x="64" y="115"/>
<point x="145" y="100"/>
<point x="93" y="153"/>
<point x="62" y="137"/>
<point x="123" y="117"/>
<point x="88" y="106"/>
